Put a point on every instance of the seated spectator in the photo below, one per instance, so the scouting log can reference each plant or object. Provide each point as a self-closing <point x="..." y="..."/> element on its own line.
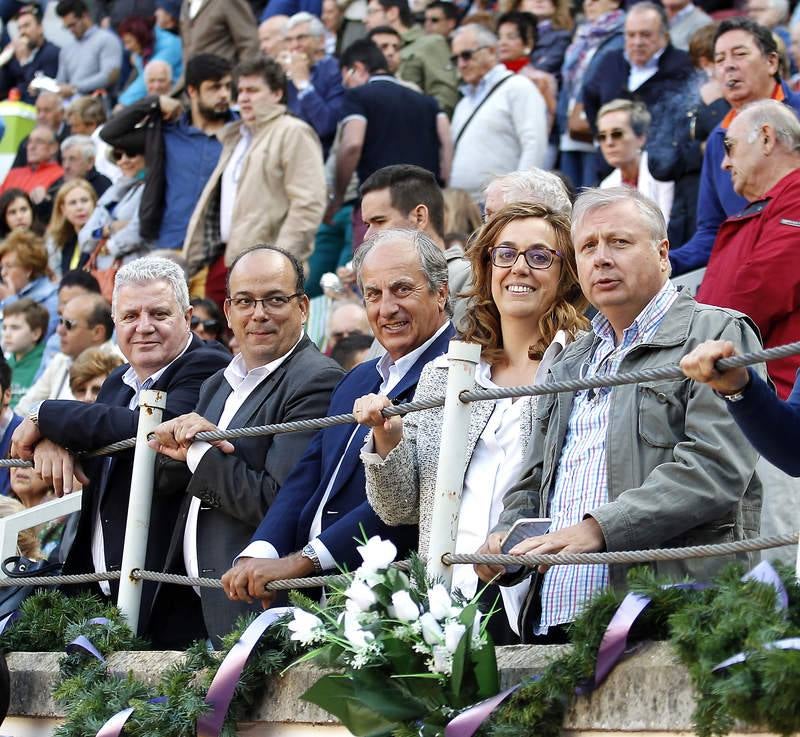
<point x="86" y="116"/>
<point x="622" y="128"/>
<point x="27" y="540"/>
<point x="23" y="269"/>
<point x="146" y="42"/>
<point x="112" y="231"/>
<point x="633" y="466"/>
<point x="42" y="169"/>
<point x="272" y="36"/>
<point x="423" y="57"/>
<point x="28" y="487"/>
<point x="181" y="148"/>
<point x="352" y="350"/>
<point x="441" y="17"/>
<point x="78" y="158"/>
<point x="91" y="63"/>
<point x="773" y="15"/>
<point x="88" y="372"/>
<point x="345" y="319"/>
<point x="157" y="77"/>
<point x="553" y="32"/>
<point x="314" y="90"/>
<point x="534" y="186"/>
<point x="24" y="329"/>
<point x="74" y="205"/>
<point x="8" y="423"/>
<point x="85" y="322"/>
<point x="268" y="150"/>
<point x="513" y="118"/>
<point x="684" y="19"/>
<point x="528" y="307"/>
<point x="33" y="54"/>
<point x="50" y="114"/>
<point x="462" y="217"/>
<point x="17" y="213"/>
<point x="167" y="15"/>
<point x="208" y="322"/>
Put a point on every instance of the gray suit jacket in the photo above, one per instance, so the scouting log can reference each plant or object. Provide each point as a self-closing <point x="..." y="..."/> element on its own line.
<point x="237" y="489"/>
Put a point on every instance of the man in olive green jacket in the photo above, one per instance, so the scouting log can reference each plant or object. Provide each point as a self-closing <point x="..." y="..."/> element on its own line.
<point x="648" y="465"/>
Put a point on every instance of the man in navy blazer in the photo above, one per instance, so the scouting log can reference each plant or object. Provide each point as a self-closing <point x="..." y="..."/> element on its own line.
<point x="322" y="507"/>
<point x="152" y="319"/>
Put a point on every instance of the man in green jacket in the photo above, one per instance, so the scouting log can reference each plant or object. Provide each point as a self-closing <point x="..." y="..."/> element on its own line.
<point x="24" y="327"/>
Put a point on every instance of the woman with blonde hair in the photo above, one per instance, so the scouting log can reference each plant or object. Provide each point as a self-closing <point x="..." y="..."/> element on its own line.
<point x="88" y="372"/>
<point x="462" y="217"/>
<point x="73" y="206"/>
<point x="525" y="306"/>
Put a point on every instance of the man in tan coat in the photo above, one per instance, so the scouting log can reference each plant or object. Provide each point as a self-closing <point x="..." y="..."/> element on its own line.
<point x="268" y="186"/>
<point x="226" y="28"/>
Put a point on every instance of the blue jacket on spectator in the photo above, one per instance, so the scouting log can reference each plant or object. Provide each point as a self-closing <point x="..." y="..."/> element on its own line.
<point x="320" y="104"/>
<point x="20" y="76"/>
<point x="43" y="292"/>
<point x="167" y="48"/>
<point x="551" y="44"/>
<point x="716" y="201"/>
<point x="290" y="7"/>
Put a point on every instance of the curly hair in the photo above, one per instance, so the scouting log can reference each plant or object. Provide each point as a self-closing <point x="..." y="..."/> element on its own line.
<point x="482" y="322"/>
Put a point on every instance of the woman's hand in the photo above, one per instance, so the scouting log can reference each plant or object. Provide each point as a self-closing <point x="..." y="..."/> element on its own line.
<point x="386" y="432"/>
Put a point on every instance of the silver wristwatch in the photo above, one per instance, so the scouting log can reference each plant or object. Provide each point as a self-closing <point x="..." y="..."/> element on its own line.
<point x="309" y="552"/>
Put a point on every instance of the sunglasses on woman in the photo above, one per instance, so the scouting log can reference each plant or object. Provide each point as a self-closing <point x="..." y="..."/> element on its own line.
<point x="615" y="135"/>
<point x="210" y="326"/>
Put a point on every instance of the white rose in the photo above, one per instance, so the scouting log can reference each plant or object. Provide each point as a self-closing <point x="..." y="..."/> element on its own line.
<point x="404" y="607"/>
<point x="377" y="554"/>
<point x="305" y="626"/>
<point x="361" y="595"/>
<point x="453" y="632"/>
<point x="439" y="602"/>
<point x="359" y="638"/>
<point x="431" y="631"/>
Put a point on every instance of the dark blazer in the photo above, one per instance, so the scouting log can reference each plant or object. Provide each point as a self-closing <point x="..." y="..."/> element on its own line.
<point x="15" y="75"/>
<point x="78" y="427"/>
<point x="237" y="489"/>
<point x="288" y="521"/>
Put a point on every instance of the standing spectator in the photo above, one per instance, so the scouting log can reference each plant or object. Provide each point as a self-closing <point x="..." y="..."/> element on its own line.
<point x="315" y="93"/>
<point x="146" y="42"/>
<point x="271" y="151"/>
<point x="622" y="128"/>
<point x="181" y="147"/>
<point x="42" y="168"/>
<point x="773" y="15"/>
<point x="24" y="328"/>
<point x="88" y="372"/>
<point x="553" y="32"/>
<point x="377" y="110"/>
<point x="600" y="33"/>
<point x="74" y="205"/>
<point x="441" y="18"/>
<point x="78" y="159"/>
<point x="91" y="63"/>
<point x="272" y="36"/>
<point x="684" y="19"/>
<point x="17" y="213"/>
<point x="389" y="41"/>
<point x="746" y="60"/>
<point x="332" y="18"/>
<point x="648" y="68"/>
<point x="113" y="227"/>
<point x="23" y="269"/>
<point x="423" y="58"/>
<point x="8" y="423"/>
<point x="225" y="28"/>
<point x="33" y="54"/>
<point x="499" y="107"/>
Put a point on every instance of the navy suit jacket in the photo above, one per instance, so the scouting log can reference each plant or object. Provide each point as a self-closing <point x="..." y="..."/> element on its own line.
<point x="288" y="522"/>
<point x="82" y="427"/>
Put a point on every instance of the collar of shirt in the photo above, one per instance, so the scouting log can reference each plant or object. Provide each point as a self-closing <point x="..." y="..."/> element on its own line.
<point x="645" y="324"/>
<point x="492" y="77"/>
<point x="682" y="13"/>
<point x="651" y="63"/>
<point x="383" y="78"/>
<point x="194" y="7"/>
<point x="483" y="374"/>
<point x="392" y="372"/>
<point x="132" y="380"/>
<point x="236" y="373"/>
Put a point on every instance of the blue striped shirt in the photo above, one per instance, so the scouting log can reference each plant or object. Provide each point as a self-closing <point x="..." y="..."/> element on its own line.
<point x="581" y="483"/>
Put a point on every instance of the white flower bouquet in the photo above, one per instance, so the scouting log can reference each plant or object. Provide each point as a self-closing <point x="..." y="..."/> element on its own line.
<point x="406" y="655"/>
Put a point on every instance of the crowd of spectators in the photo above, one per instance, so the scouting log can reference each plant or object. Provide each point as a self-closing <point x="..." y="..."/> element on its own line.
<point x="278" y="209"/>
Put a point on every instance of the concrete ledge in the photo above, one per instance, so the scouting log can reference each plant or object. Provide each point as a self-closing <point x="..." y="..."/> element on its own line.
<point x="648" y="692"/>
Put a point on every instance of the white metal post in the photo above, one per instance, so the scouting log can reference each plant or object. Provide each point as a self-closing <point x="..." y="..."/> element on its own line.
<point x="151" y="406"/>
<point x="797" y="563"/>
<point x="462" y="358"/>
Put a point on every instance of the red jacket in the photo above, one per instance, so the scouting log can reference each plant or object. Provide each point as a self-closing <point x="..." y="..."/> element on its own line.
<point x="755" y="268"/>
<point x="27" y="178"/>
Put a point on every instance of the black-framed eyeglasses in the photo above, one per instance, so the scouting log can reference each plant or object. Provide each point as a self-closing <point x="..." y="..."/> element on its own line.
<point x="273" y="303"/>
<point x="539" y="257"/>
<point x="68" y="324"/>
<point x="616" y="135"/>
<point x="465" y="55"/>
<point x="212" y="326"/>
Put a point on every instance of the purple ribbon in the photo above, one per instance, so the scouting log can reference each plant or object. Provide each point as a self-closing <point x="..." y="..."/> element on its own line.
<point x="468" y="721"/>
<point x="113" y="727"/>
<point x="220" y="692"/>
<point x="84" y="643"/>
<point x="9" y="619"/>
<point x="792" y="643"/>
<point x="615" y="638"/>
<point x="765" y="573"/>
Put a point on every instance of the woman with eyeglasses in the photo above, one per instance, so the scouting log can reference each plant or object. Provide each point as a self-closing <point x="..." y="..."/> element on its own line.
<point x="622" y="127"/>
<point x="73" y="206"/>
<point x="208" y="322"/>
<point x="111" y="234"/>
<point x="526" y="305"/>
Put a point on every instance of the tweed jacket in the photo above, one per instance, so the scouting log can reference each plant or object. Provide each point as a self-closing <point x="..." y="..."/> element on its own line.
<point x="401" y="487"/>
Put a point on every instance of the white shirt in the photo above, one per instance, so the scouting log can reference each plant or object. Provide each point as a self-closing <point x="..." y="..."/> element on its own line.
<point x="243" y="383"/>
<point x="132" y="380"/>
<point x="639" y="75"/>
<point x="391" y="374"/>
<point x="230" y="182"/>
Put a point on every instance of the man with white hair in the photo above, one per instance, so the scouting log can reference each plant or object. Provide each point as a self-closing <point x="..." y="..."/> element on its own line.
<point x="272" y="35"/>
<point x="535" y="186"/>
<point x="500" y="124"/>
<point x="158" y="77"/>
<point x="77" y="158"/>
<point x="152" y="319"/>
<point x="314" y="91"/>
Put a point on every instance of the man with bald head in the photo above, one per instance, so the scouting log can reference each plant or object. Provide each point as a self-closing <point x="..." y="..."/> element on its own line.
<point x="272" y="35"/>
<point x="278" y="376"/>
<point x="158" y="77"/>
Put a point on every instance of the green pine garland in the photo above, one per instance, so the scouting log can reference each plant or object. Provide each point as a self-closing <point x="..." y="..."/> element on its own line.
<point x="704" y="627"/>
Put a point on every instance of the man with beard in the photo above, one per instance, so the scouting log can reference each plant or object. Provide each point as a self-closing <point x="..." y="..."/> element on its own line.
<point x="181" y="147"/>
